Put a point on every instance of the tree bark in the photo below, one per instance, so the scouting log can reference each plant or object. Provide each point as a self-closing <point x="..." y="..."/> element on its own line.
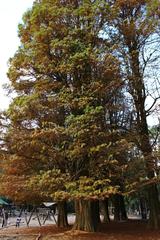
<point x="84" y="216"/>
<point x="116" y="208"/>
<point x="153" y="200"/>
<point x="154" y="207"/>
<point x="62" y="214"/>
<point x="105" y="210"/>
<point x="95" y="213"/>
<point x="122" y="208"/>
<point x="119" y="208"/>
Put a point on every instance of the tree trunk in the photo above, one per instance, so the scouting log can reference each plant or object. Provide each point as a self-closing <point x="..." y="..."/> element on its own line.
<point x="95" y="213"/>
<point x="122" y="208"/>
<point x="153" y="200"/>
<point x="119" y="208"/>
<point x="154" y="207"/>
<point x="116" y="208"/>
<point x="143" y="208"/>
<point x="84" y="216"/>
<point x="62" y="214"/>
<point x="105" y="211"/>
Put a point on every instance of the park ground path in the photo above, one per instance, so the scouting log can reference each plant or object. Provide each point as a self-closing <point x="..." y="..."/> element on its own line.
<point x="131" y="230"/>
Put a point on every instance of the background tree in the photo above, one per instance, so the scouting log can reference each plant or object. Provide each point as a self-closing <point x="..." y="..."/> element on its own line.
<point x="135" y="33"/>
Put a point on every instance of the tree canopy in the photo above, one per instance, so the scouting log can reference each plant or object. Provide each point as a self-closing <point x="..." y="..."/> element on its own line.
<point x="77" y="128"/>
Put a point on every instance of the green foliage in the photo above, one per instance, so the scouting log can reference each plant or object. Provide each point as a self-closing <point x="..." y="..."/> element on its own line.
<point x="89" y="188"/>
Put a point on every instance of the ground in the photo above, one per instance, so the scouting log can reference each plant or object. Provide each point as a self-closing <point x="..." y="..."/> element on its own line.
<point x="131" y="230"/>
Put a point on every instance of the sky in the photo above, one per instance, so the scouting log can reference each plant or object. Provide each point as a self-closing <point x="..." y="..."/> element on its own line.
<point x="11" y="12"/>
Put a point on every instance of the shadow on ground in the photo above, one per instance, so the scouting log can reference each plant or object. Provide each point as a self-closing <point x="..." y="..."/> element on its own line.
<point x="130" y="230"/>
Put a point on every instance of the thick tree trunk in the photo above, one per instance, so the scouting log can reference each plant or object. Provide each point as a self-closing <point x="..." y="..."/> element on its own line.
<point x="122" y="208"/>
<point x="84" y="216"/>
<point x="153" y="200"/>
<point x="62" y="214"/>
<point x="154" y="207"/>
<point x="119" y="208"/>
<point x="116" y="208"/>
<point x="95" y="213"/>
<point x="105" y="210"/>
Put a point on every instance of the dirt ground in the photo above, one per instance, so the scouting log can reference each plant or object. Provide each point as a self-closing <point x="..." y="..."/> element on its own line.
<point x="131" y="230"/>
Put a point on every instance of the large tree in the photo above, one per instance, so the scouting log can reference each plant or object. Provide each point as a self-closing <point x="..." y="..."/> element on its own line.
<point x="76" y="66"/>
<point x="134" y="28"/>
<point x="65" y="75"/>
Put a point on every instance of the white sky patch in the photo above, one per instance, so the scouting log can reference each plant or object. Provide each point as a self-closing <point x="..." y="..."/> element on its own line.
<point x="11" y="12"/>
